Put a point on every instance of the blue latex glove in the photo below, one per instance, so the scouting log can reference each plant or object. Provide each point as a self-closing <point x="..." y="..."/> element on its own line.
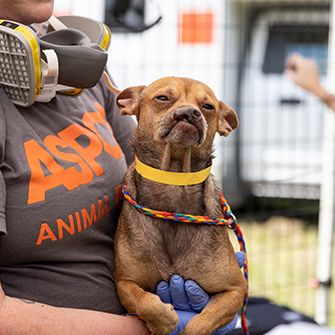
<point x="189" y="299"/>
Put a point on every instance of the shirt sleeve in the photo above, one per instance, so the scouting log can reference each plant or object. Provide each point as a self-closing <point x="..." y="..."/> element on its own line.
<point x="123" y="125"/>
<point x="3" y="230"/>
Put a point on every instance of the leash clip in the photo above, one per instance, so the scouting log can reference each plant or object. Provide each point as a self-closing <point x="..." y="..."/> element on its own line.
<point x="232" y="225"/>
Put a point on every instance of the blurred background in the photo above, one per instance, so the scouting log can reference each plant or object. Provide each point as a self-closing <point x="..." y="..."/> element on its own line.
<point x="278" y="165"/>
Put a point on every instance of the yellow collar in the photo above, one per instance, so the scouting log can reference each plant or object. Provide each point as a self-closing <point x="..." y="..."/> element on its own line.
<point x="171" y="178"/>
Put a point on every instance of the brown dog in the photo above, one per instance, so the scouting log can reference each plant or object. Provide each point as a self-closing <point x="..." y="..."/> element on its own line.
<point x="177" y="122"/>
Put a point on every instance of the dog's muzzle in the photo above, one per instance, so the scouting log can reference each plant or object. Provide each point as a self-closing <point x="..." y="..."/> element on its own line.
<point x="184" y="125"/>
<point x="188" y="114"/>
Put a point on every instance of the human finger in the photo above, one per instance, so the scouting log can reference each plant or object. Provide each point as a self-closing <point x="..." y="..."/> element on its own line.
<point x="163" y="291"/>
<point x="240" y="257"/>
<point x="197" y="296"/>
<point x="178" y="294"/>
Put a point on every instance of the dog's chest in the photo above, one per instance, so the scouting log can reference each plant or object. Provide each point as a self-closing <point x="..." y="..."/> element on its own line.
<point x="173" y="247"/>
<point x="167" y="247"/>
<point x="186" y="244"/>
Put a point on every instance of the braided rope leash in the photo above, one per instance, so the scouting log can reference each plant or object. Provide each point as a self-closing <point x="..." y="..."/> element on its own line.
<point x="228" y="219"/>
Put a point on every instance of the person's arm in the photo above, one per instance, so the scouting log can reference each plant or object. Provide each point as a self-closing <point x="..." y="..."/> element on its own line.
<point x="123" y="125"/>
<point x="20" y="317"/>
<point x="305" y="73"/>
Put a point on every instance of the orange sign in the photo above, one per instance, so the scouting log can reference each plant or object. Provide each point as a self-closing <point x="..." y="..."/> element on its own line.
<point x="196" y="27"/>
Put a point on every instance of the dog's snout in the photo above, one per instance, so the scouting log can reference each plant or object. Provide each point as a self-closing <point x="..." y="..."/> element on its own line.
<point x="187" y="114"/>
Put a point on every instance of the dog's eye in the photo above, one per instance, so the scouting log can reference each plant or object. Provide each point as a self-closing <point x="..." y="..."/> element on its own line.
<point x="208" y="107"/>
<point x="162" y="98"/>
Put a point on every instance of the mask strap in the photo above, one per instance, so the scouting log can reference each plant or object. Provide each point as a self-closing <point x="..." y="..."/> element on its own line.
<point x="58" y="25"/>
<point x="109" y="84"/>
<point x="49" y="76"/>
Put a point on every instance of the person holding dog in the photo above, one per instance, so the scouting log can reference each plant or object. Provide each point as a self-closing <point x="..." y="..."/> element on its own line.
<point x="61" y="164"/>
<point x="305" y="73"/>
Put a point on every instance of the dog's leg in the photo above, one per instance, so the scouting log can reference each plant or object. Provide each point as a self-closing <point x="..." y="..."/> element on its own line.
<point x="160" y="318"/>
<point x="221" y="309"/>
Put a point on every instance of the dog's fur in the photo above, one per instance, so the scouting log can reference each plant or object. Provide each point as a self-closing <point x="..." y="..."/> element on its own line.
<point x="177" y="122"/>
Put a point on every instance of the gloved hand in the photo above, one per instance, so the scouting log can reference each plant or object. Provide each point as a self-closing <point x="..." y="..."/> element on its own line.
<point x="189" y="299"/>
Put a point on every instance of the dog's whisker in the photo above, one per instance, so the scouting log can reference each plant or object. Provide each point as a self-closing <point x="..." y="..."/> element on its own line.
<point x="166" y="159"/>
<point x="187" y="160"/>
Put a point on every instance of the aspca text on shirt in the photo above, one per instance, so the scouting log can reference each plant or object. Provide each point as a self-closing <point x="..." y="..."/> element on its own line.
<point x="47" y="172"/>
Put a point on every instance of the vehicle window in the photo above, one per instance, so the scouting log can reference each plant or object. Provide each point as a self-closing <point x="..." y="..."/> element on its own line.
<point x="283" y="40"/>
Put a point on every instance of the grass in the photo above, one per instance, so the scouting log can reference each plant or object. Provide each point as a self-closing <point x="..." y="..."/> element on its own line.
<point x="282" y="262"/>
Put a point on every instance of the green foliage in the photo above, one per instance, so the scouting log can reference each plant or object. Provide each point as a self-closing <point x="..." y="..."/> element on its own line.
<point x="282" y="262"/>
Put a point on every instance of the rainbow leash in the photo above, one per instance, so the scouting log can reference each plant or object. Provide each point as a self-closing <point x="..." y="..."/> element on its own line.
<point x="229" y="219"/>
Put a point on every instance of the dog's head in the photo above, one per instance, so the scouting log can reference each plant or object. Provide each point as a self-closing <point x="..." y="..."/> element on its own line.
<point x="180" y="111"/>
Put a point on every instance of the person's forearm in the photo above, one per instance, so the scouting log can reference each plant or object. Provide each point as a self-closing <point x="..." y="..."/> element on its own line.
<point x="318" y="90"/>
<point x="325" y="96"/>
<point x="18" y="317"/>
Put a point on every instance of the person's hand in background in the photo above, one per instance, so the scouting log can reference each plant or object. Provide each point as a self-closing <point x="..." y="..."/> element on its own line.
<point x="305" y="73"/>
<point x="189" y="299"/>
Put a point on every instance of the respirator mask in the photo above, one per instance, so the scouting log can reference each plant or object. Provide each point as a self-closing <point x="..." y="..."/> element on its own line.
<point x="67" y="59"/>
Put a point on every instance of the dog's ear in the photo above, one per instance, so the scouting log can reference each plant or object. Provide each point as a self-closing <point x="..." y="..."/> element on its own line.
<point x="128" y="100"/>
<point x="227" y="121"/>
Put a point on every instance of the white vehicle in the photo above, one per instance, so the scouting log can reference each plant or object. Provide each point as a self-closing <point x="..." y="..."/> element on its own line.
<point x="281" y="125"/>
<point x="280" y="134"/>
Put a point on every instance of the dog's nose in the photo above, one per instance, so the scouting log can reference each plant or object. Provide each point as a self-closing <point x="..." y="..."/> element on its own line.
<point x="188" y="114"/>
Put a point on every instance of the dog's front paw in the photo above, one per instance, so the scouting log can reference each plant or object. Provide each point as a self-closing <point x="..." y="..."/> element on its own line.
<point x="160" y="318"/>
<point x="166" y="321"/>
